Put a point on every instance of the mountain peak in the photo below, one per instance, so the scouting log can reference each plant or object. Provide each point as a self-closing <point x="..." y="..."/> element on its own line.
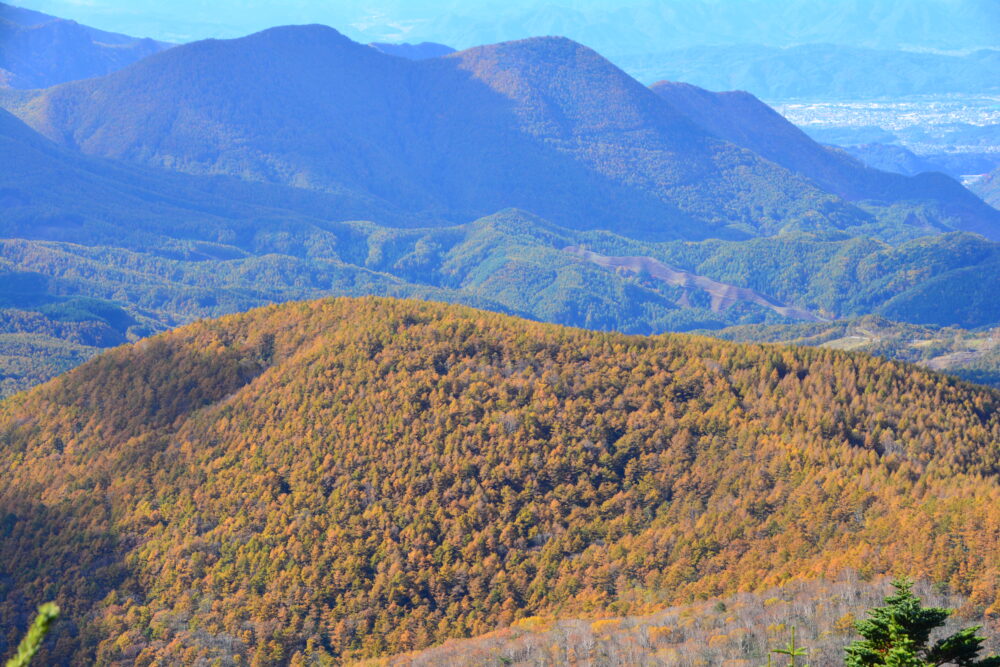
<point x="286" y="40"/>
<point x="551" y="50"/>
<point x="299" y="31"/>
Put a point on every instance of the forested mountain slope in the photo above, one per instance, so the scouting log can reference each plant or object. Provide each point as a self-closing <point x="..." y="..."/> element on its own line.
<point x="38" y="50"/>
<point x="970" y="355"/>
<point x="357" y="477"/>
<point x="95" y="252"/>
<point x="742" y="119"/>
<point x="542" y="124"/>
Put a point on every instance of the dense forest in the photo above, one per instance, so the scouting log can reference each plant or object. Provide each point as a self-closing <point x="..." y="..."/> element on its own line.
<point x="351" y="478"/>
<point x="513" y="262"/>
<point x="970" y="355"/>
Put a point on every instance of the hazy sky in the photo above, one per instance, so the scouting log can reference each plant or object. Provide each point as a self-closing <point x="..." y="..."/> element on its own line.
<point x="620" y="26"/>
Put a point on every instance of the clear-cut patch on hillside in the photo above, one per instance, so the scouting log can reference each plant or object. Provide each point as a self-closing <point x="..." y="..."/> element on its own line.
<point x="723" y="295"/>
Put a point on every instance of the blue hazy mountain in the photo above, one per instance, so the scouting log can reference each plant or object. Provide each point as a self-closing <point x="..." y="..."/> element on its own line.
<point x="619" y="28"/>
<point x="544" y="124"/>
<point x="413" y="51"/>
<point x="988" y="187"/>
<point x="38" y="50"/>
<point x="821" y="71"/>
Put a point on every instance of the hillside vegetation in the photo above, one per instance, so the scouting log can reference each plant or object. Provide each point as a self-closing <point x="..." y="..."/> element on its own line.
<point x="970" y="355"/>
<point x="509" y="262"/>
<point x="387" y="196"/>
<point x="359" y="477"/>
<point x="735" y="631"/>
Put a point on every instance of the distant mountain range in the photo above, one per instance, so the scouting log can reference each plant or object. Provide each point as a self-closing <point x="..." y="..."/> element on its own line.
<point x="96" y="252"/>
<point x="821" y="71"/>
<point x="628" y="28"/>
<point x="413" y="51"/>
<point x="545" y="125"/>
<point x="898" y="159"/>
<point x="744" y="120"/>
<point x="38" y="50"/>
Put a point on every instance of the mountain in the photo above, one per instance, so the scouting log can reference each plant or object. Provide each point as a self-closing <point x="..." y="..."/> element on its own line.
<point x="821" y="71"/>
<point x="894" y="158"/>
<point x="742" y="119"/>
<point x="901" y="160"/>
<point x="419" y="51"/>
<point x="355" y="477"/>
<point x="988" y="187"/>
<point x="558" y="131"/>
<point x="54" y="194"/>
<point x="96" y="253"/>
<point x="38" y="50"/>
<point x="622" y="30"/>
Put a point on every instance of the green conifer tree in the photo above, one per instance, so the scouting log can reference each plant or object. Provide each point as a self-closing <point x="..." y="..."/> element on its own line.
<point x="791" y="650"/>
<point x="898" y="635"/>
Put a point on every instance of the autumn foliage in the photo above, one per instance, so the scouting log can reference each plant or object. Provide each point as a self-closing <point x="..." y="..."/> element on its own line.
<point x="357" y="477"/>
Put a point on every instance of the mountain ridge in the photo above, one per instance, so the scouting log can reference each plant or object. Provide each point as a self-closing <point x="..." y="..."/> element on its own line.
<point x="355" y="477"/>
<point x="38" y="50"/>
<point x="559" y="130"/>
<point x="144" y="250"/>
<point x="741" y="118"/>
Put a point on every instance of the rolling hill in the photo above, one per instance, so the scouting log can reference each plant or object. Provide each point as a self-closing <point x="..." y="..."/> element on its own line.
<point x="94" y="253"/>
<point x="544" y="124"/>
<point x="356" y="477"/>
<point x="38" y="50"/>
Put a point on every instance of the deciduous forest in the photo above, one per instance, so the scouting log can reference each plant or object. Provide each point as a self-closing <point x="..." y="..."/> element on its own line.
<point x="357" y="477"/>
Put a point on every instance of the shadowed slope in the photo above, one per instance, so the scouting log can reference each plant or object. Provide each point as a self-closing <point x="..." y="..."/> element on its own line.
<point x="988" y="187"/>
